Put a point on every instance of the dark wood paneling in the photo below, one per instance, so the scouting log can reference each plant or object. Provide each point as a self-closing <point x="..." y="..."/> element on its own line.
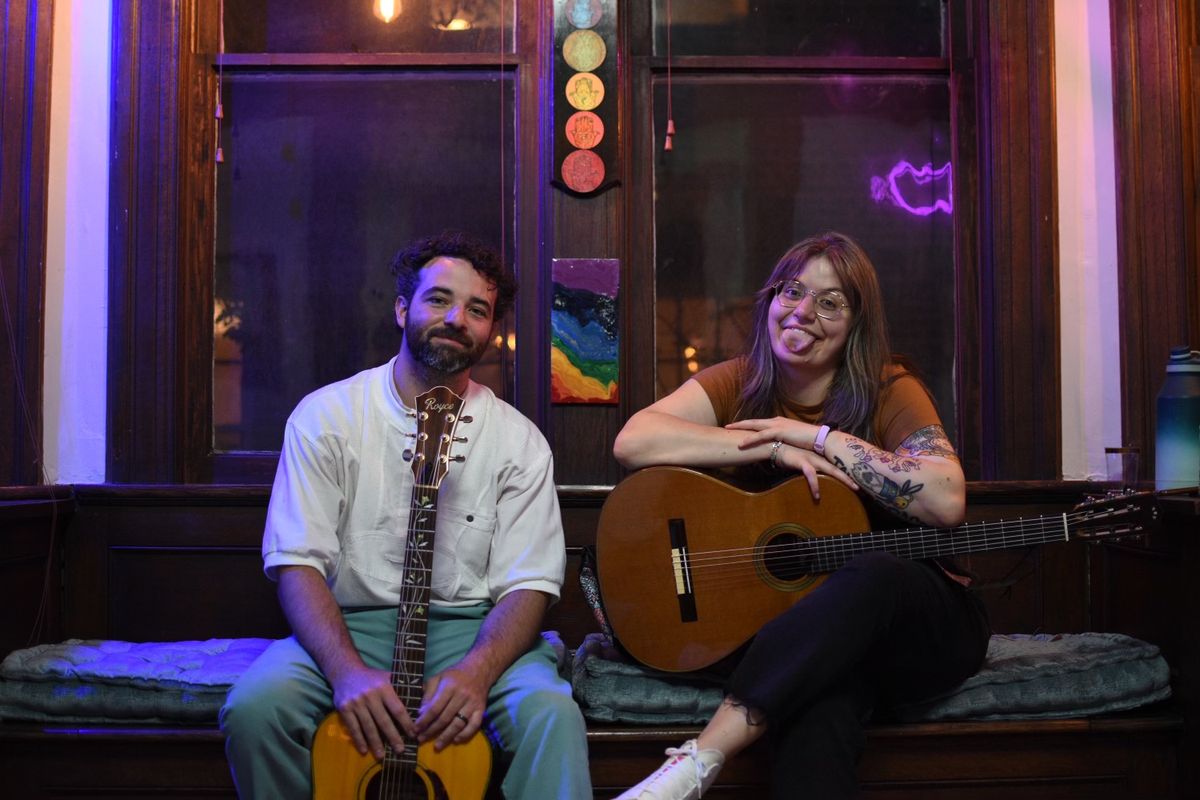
<point x="143" y="343"/>
<point x="166" y="563"/>
<point x="1147" y="589"/>
<point x="1081" y="759"/>
<point x="595" y="227"/>
<point x="1016" y="384"/>
<point x="183" y="562"/>
<point x="1156" y="242"/>
<point x="25" y="45"/>
<point x="33" y="521"/>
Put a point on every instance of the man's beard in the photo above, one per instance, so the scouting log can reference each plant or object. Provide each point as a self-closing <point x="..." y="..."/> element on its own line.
<point x="443" y="358"/>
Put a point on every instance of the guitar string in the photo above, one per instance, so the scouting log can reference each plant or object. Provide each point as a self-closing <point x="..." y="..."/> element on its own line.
<point x="398" y="773"/>
<point x="986" y="529"/>
<point x="738" y="562"/>
<point x="412" y="628"/>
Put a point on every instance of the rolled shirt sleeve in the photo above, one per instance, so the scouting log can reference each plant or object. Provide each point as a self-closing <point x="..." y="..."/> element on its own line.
<point x="307" y="500"/>
<point x="528" y="550"/>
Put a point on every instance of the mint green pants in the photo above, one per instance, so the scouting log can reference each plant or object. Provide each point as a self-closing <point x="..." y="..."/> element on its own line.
<point x="273" y="711"/>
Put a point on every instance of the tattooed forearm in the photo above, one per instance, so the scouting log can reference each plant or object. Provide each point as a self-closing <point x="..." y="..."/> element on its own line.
<point x="929" y="441"/>
<point x="895" y="479"/>
<point x="891" y="494"/>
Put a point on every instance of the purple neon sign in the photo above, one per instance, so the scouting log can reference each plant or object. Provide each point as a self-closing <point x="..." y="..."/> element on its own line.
<point x="887" y="189"/>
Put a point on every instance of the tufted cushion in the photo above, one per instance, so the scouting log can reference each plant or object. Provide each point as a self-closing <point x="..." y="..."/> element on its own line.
<point x="1047" y="676"/>
<point x="1023" y="677"/>
<point x="105" y="681"/>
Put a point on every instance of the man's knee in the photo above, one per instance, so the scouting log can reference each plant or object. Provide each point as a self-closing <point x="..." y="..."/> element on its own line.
<point x="255" y="706"/>
<point x="553" y="709"/>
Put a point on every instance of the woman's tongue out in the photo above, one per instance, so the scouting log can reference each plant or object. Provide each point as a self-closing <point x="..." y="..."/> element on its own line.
<point x="796" y="340"/>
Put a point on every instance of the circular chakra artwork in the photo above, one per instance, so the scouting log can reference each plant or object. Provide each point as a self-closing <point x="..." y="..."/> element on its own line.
<point x="584" y="51"/>
<point x="584" y="91"/>
<point x="584" y="130"/>
<point x="582" y="171"/>
<point x="584" y="13"/>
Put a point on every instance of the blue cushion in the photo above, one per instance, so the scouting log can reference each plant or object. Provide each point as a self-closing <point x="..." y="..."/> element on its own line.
<point x="98" y="680"/>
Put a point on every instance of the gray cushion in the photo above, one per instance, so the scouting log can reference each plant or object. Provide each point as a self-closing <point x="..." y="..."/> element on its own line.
<point x="1048" y="676"/>
<point x="1023" y="677"/>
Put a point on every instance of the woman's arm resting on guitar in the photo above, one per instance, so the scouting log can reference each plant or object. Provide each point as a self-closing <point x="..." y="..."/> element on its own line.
<point x="681" y="430"/>
<point x="364" y="697"/>
<point x="921" y="481"/>
<point x="508" y="631"/>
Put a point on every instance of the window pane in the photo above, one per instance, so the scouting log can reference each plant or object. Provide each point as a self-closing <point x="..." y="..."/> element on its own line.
<point x="325" y="176"/>
<point x="801" y="28"/>
<point x="759" y="164"/>
<point x="359" y="26"/>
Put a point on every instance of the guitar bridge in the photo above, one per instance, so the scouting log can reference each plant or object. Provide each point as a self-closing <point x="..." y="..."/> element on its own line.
<point x="681" y="567"/>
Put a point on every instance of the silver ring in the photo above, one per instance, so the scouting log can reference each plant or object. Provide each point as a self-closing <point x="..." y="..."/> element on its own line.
<point x="460" y="716"/>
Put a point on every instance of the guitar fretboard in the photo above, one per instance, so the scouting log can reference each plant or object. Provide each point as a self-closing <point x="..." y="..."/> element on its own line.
<point x="435" y="433"/>
<point x="832" y="552"/>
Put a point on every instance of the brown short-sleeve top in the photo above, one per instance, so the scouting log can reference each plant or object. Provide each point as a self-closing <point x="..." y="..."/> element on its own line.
<point x="904" y="407"/>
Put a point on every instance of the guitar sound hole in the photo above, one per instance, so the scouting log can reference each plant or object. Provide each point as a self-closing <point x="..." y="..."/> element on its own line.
<point x="417" y="785"/>
<point x="784" y="559"/>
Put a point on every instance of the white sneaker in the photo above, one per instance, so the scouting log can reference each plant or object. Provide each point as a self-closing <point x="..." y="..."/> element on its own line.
<point x="686" y="775"/>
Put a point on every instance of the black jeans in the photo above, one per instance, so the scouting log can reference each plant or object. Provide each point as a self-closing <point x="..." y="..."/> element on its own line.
<point x="879" y="630"/>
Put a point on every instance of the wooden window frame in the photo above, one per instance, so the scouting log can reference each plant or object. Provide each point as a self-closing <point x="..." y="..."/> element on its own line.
<point x="24" y="164"/>
<point x="1001" y="81"/>
<point x="161" y="251"/>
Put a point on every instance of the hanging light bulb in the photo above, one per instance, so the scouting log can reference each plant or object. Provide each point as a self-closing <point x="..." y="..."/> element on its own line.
<point x="386" y="10"/>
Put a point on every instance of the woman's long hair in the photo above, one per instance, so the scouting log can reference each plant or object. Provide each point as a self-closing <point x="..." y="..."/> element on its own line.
<point x="850" y="404"/>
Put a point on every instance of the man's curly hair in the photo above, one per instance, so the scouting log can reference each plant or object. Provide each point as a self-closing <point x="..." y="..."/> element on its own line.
<point x="407" y="264"/>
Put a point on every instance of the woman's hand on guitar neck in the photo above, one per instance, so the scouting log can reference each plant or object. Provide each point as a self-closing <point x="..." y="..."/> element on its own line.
<point x="371" y="711"/>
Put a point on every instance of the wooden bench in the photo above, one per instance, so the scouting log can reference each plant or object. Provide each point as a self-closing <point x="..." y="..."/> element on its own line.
<point x="165" y="563"/>
<point x="1131" y="756"/>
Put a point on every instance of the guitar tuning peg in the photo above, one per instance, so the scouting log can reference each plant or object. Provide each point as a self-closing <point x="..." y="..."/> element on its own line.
<point x="458" y="459"/>
<point x="410" y="412"/>
<point x="408" y="455"/>
<point x="460" y="439"/>
<point x="466" y="418"/>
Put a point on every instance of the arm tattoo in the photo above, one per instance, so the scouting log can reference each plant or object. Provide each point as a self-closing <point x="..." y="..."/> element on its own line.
<point x="880" y="473"/>
<point x="889" y="493"/>
<point x="929" y="441"/>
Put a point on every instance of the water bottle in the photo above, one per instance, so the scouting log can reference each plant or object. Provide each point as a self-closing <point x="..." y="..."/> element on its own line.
<point x="1177" y="441"/>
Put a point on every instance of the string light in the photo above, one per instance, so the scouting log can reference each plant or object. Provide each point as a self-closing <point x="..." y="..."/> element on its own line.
<point x="386" y="10"/>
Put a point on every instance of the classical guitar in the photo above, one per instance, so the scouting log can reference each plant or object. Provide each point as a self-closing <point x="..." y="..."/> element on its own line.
<point x="458" y="772"/>
<point x="690" y="568"/>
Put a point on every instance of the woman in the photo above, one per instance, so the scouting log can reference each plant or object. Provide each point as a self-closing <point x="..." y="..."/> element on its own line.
<point x="817" y="393"/>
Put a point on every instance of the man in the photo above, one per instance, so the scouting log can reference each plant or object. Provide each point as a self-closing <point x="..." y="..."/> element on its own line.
<point x="334" y="541"/>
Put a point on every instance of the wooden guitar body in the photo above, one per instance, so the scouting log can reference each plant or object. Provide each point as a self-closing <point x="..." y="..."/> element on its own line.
<point x="458" y="772"/>
<point x="685" y="560"/>
<point x="690" y="567"/>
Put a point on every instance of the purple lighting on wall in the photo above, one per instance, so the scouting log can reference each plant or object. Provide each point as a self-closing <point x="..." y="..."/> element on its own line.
<point x="887" y="188"/>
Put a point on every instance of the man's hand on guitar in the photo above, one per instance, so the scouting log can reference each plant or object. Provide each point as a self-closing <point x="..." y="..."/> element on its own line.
<point x="795" y="450"/>
<point x="370" y="710"/>
<point x="453" y="707"/>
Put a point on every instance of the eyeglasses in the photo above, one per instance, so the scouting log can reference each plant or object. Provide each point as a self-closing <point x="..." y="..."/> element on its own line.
<point x="828" y="302"/>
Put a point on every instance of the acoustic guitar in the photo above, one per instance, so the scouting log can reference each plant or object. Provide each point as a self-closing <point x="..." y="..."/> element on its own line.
<point x="690" y="567"/>
<point x="459" y="771"/>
